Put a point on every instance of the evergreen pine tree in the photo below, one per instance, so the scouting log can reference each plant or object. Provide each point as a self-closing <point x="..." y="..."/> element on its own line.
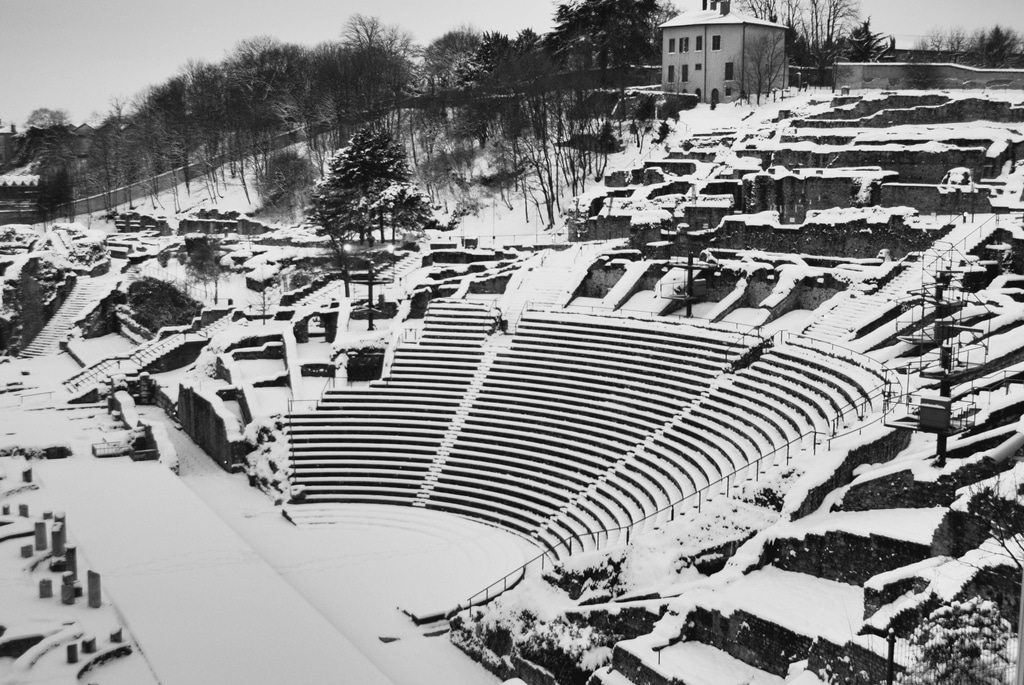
<point x="345" y="202"/>
<point x="865" y="46"/>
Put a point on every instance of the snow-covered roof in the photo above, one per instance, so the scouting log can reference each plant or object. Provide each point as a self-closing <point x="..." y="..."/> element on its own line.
<point x="717" y="18"/>
<point x="19" y="180"/>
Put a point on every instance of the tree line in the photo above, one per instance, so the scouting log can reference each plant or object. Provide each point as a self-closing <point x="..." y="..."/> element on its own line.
<point x="548" y="109"/>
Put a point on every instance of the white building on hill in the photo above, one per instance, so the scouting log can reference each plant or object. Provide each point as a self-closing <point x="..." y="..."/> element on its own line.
<point x="719" y="54"/>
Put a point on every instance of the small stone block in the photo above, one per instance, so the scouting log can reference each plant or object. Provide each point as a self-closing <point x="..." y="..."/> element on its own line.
<point x="67" y="578"/>
<point x="45" y="588"/>
<point x="89" y="645"/>
<point x="5" y="510"/>
<point x="117" y="635"/>
<point x="23" y="510"/>
<point x="95" y="594"/>
<point x="26" y="551"/>
<point x="26" y="475"/>
<point x="58" y="565"/>
<point x="47" y="515"/>
<point x="57" y="539"/>
<point x="71" y="554"/>
<point x="79" y="590"/>
<point x="40" y="535"/>
<point x="67" y="594"/>
<point x="73" y="653"/>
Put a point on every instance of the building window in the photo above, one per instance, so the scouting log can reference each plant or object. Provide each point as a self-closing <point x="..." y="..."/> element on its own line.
<point x="714" y="5"/>
<point x="684" y="44"/>
<point x="700" y="44"/>
<point x="716" y="42"/>
<point x="671" y="44"/>
<point x="684" y="72"/>
<point x="728" y="71"/>
<point x="671" y="73"/>
<point x="697" y="66"/>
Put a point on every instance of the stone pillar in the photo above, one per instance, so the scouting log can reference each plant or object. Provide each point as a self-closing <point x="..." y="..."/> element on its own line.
<point x="26" y="475"/>
<point x="5" y="510"/>
<point x="89" y="645"/>
<point x="95" y="594"/>
<point x="40" y="535"/>
<point x="45" y="588"/>
<point x="57" y="539"/>
<point x="26" y="552"/>
<point x="23" y="511"/>
<point x="71" y="555"/>
<point x="67" y="594"/>
<point x="116" y="636"/>
<point x="73" y="653"/>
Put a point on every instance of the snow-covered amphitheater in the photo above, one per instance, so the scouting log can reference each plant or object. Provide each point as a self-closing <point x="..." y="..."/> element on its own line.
<point x="743" y="419"/>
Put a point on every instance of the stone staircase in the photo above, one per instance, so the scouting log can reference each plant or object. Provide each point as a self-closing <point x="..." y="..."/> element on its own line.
<point x="547" y="278"/>
<point x="85" y="293"/>
<point x="858" y="309"/>
<point x="143" y="356"/>
<point x="397" y="272"/>
<point x="423" y="496"/>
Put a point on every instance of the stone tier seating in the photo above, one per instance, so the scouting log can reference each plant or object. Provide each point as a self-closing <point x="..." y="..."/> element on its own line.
<point x="574" y="425"/>
<point x="376" y="444"/>
<point x="569" y="400"/>
<point x="769" y="408"/>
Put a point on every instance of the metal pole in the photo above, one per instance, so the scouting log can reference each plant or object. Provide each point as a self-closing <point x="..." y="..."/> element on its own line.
<point x="890" y="674"/>
<point x="369" y="298"/>
<point x="1019" y="680"/>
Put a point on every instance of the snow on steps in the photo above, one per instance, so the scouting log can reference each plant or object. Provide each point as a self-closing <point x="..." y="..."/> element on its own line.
<point x="548" y="279"/>
<point x="144" y="355"/>
<point x="694" y="663"/>
<point x="85" y="293"/>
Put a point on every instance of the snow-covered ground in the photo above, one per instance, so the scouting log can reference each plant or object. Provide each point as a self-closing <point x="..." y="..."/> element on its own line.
<point x="216" y="586"/>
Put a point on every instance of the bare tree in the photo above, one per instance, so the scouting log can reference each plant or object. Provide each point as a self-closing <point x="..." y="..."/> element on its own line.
<point x="824" y="24"/>
<point x="764" y="65"/>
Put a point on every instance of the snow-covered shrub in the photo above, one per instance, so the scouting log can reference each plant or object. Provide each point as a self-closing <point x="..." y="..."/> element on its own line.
<point x="962" y="643"/>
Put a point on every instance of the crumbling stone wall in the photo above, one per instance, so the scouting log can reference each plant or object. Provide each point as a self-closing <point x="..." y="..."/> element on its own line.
<point x="843" y="557"/>
<point x="856" y="238"/>
<point x="919" y="165"/>
<point x="751" y="639"/>
<point x="206" y="427"/>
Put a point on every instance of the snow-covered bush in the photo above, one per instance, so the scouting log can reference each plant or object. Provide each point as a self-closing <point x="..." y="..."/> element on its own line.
<point x="962" y="643"/>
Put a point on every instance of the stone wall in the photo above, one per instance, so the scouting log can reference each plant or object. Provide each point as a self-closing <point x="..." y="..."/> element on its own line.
<point x="912" y="75"/>
<point x="751" y="639"/>
<point x="600" y="279"/>
<point x="849" y="664"/>
<point x="920" y="165"/>
<point x="902" y="490"/>
<point x="933" y="199"/>
<point x="882" y="450"/>
<point x="843" y="557"/>
<point x="856" y="238"/>
<point x="206" y="427"/>
<point x="32" y="300"/>
<point x="894" y="110"/>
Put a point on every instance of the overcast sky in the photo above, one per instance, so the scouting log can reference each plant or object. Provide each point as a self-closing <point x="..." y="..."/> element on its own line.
<point x="79" y="54"/>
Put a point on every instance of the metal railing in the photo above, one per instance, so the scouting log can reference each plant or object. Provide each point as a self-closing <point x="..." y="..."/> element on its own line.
<point x="695" y="498"/>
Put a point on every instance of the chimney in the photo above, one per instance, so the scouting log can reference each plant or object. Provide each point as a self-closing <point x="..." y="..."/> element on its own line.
<point x="724" y="4"/>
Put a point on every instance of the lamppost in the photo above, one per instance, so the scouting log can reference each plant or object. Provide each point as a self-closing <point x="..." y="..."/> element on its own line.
<point x="370" y="276"/>
<point x="345" y="250"/>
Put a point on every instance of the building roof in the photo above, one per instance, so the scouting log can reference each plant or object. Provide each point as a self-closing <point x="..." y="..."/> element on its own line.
<point x="19" y="180"/>
<point x="716" y="18"/>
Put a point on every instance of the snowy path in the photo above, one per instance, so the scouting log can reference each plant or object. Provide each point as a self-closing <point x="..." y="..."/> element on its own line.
<point x="204" y="606"/>
<point x="359" y="572"/>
